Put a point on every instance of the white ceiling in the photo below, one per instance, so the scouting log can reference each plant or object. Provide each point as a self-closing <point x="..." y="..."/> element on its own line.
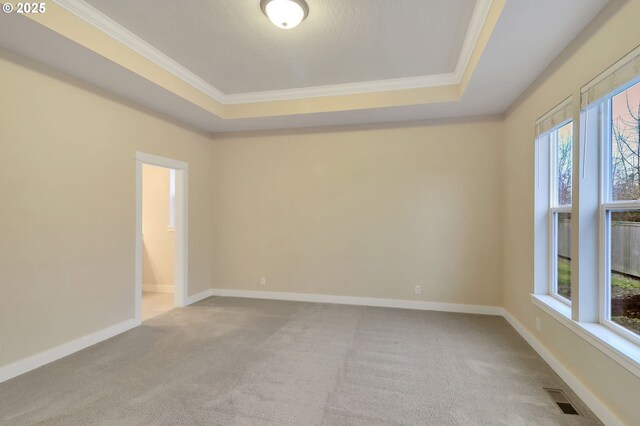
<point x="519" y="49"/>
<point x="232" y="46"/>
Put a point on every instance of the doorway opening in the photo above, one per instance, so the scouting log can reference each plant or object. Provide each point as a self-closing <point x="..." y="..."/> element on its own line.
<point x="161" y="225"/>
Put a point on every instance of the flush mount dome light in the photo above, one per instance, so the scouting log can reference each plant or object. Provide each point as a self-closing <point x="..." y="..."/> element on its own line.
<point x="285" y="14"/>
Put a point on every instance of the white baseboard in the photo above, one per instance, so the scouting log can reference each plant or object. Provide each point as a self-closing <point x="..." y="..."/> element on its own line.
<point x="158" y="288"/>
<point x="199" y="296"/>
<point x="20" y="367"/>
<point x="38" y="360"/>
<point x="594" y="404"/>
<point x="361" y="301"/>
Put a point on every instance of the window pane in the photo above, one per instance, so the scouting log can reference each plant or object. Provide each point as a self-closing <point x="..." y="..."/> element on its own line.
<point x="564" y="163"/>
<point x="563" y="266"/>
<point x="625" y="269"/>
<point x="625" y="148"/>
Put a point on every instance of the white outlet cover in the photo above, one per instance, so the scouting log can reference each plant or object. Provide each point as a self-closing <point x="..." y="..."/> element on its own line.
<point x="418" y="289"/>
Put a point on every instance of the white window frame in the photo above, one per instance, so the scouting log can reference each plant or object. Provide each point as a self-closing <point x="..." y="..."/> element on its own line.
<point x="554" y="209"/>
<point x="587" y="316"/>
<point x="607" y="206"/>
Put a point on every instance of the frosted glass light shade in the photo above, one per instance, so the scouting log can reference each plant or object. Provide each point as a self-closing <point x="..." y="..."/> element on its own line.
<point x="285" y="14"/>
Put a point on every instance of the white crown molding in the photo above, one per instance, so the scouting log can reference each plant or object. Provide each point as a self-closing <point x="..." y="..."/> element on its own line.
<point x="476" y="24"/>
<point x="116" y="31"/>
<point x="418" y="82"/>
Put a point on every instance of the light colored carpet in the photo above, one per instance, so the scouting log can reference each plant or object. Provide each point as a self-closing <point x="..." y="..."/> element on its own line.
<point x="234" y="361"/>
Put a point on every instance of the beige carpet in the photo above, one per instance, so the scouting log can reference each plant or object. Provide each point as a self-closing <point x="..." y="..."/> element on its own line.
<point x="233" y="361"/>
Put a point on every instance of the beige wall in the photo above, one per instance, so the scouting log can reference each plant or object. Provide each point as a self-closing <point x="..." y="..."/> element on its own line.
<point x="68" y="206"/>
<point x="158" y="240"/>
<point x="610" y="37"/>
<point x="363" y="212"/>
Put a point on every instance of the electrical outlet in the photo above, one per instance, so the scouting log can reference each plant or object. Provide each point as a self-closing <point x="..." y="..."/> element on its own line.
<point x="263" y="280"/>
<point x="0" y="349"/>
<point x="538" y="323"/>
<point x="418" y="289"/>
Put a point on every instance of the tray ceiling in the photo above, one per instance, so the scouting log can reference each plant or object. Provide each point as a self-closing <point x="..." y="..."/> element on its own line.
<point x="508" y="49"/>
<point x="232" y="46"/>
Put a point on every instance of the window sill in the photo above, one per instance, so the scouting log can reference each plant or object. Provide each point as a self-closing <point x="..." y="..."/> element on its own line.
<point x="616" y="347"/>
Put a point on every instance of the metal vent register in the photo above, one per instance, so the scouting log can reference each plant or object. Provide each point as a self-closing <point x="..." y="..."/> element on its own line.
<point x="562" y="401"/>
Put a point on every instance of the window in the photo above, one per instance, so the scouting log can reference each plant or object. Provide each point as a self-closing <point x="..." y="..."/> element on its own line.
<point x="624" y="150"/>
<point x="620" y="215"/>
<point x="561" y="144"/>
<point x="561" y="285"/>
<point x="601" y="207"/>
<point x="553" y="203"/>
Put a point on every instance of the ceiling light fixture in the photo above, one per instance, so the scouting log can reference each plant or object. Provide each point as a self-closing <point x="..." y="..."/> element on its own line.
<point x="285" y="14"/>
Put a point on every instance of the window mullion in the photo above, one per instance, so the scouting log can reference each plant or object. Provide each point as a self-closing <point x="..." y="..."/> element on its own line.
<point x="586" y="218"/>
<point x="622" y="205"/>
<point x="563" y="209"/>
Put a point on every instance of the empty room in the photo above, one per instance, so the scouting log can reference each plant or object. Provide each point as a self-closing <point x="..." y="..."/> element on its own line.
<point x="320" y="212"/>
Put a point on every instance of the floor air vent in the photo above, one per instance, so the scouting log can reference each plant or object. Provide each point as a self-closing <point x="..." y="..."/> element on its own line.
<point x="562" y="401"/>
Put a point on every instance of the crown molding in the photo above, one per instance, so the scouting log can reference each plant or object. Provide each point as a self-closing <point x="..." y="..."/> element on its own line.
<point x="480" y="13"/>
<point x="433" y="80"/>
<point x="116" y="31"/>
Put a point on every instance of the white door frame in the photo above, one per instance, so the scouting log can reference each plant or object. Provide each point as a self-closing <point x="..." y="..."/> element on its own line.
<point x="181" y="251"/>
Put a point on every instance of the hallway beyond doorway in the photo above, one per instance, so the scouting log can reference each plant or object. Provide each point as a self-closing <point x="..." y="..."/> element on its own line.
<point x="154" y="304"/>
